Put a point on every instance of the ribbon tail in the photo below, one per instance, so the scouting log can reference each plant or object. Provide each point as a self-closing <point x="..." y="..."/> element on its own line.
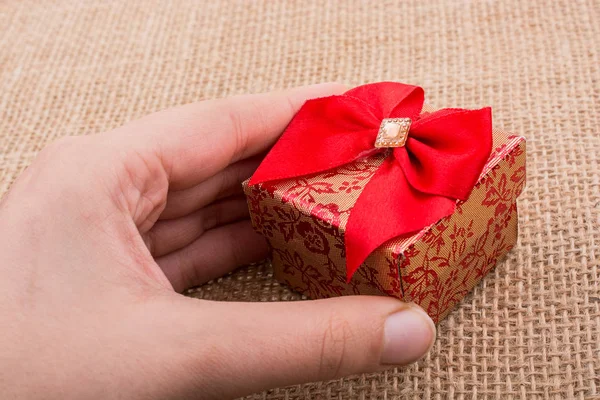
<point x="387" y="208"/>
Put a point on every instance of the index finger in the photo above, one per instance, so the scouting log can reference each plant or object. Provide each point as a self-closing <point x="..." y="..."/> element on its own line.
<point x="195" y="141"/>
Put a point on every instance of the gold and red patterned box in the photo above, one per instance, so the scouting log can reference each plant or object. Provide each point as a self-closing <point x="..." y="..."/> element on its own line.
<point x="304" y="220"/>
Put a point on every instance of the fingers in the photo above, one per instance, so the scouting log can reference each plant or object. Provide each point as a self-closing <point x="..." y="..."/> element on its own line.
<point x="170" y="235"/>
<point x="279" y="344"/>
<point x="198" y="140"/>
<point x="215" y="253"/>
<point x="225" y="183"/>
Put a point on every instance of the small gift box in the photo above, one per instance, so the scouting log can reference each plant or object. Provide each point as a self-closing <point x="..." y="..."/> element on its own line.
<point x="367" y="193"/>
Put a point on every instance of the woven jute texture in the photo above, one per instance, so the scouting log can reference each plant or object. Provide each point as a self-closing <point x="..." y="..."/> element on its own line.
<point x="531" y="329"/>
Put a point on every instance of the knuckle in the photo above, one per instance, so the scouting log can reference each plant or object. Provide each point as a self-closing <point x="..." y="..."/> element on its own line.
<point x="244" y="171"/>
<point x="293" y="108"/>
<point x="224" y="181"/>
<point x="65" y="142"/>
<point x="236" y="252"/>
<point x="62" y="158"/>
<point x="217" y="215"/>
<point x="209" y="217"/>
<point x="150" y="241"/>
<point x="253" y="121"/>
<point x="335" y="343"/>
<point x="240" y="134"/>
<point x="56" y="177"/>
<point x="69" y="156"/>
<point x="60" y="147"/>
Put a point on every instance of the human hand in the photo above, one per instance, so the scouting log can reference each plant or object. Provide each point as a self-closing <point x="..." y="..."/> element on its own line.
<point x="101" y="231"/>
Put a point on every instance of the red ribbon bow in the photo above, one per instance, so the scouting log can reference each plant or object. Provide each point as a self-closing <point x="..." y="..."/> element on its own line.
<point x="417" y="184"/>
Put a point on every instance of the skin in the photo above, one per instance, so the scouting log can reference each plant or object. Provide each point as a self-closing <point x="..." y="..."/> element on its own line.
<point x="101" y="232"/>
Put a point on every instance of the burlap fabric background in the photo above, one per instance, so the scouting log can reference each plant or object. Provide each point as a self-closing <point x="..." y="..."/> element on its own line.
<point x="532" y="328"/>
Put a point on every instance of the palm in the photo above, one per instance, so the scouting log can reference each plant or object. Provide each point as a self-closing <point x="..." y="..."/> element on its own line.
<point x="204" y="231"/>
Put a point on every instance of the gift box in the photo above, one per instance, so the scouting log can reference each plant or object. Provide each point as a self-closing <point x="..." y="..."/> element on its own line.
<point x="370" y="193"/>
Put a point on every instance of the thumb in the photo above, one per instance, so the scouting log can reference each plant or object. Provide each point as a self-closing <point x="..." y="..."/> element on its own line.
<point x="266" y="345"/>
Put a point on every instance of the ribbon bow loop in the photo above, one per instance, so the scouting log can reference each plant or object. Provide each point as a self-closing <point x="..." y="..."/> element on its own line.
<point x="417" y="184"/>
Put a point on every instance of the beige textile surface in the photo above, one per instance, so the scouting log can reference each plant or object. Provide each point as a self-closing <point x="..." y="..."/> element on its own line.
<point x="532" y="328"/>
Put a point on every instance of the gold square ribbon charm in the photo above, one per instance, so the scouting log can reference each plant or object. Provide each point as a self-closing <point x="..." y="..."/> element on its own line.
<point x="393" y="132"/>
